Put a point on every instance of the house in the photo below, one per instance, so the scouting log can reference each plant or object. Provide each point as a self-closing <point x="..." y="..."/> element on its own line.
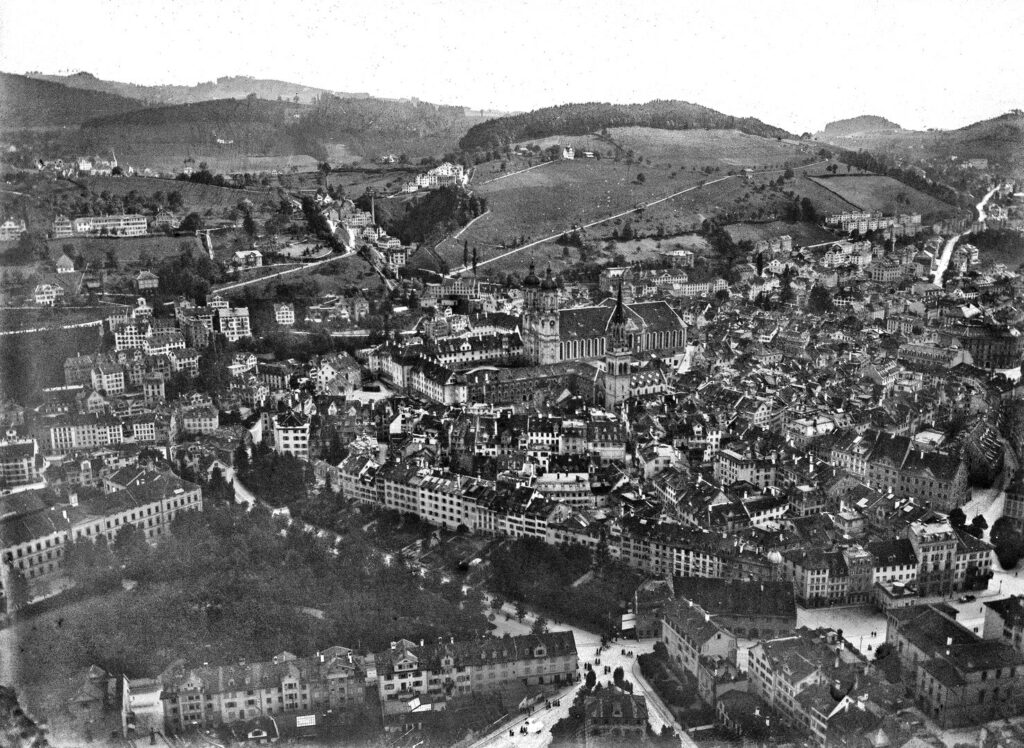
<point x="11" y="230"/>
<point x="65" y="264"/>
<point x="615" y="714"/>
<point x="249" y="258"/>
<point x="284" y="314"/>
<point x="146" y="282"/>
<point x="48" y="294"/>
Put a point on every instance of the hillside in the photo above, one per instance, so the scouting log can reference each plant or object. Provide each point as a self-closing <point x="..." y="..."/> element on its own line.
<point x="227" y="87"/>
<point x="857" y="125"/>
<point x="580" y="119"/>
<point x="36" y="103"/>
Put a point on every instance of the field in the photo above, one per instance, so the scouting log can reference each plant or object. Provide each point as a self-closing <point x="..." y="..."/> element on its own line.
<point x="142" y="250"/>
<point x="876" y="193"/>
<point x="727" y="149"/>
<point x="803" y="233"/>
<point x="198" y="197"/>
<point x="555" y="196"/>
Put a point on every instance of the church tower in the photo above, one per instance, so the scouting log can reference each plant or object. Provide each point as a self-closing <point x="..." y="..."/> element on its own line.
<point x="617" y="358"/>
<point x="549" y="350"/>
<point x="531" y="330"/>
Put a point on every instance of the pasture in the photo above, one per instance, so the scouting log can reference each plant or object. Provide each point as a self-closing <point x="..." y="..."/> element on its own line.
<point x="196" y="197"/>
<point x="803" y="233"/>
<point x="725" y="149"/>
<point x="877" y="193"/>
<point x="142" y="251"/>
<point x="553" y="198"/>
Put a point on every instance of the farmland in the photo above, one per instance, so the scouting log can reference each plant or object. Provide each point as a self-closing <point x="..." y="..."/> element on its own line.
<point x="552" y="198"/>
<point x="142" y="250"/>
<point x="803" y="233"/>
<point x="194" y="196"/>
<point x="877" y="193"/>
<point x="727" y="149"/>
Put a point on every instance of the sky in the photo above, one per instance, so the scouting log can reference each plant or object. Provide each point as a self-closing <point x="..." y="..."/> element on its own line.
<point x="794" y="64"/>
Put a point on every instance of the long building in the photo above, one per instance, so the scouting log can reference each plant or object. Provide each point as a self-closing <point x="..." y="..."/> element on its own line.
<point x="36" y="525"/>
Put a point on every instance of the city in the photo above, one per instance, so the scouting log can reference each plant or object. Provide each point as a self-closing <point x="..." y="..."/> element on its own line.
<point x="334" y="418"/>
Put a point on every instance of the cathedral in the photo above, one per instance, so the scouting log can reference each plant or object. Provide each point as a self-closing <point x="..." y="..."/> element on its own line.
<point x="552" y="335"/>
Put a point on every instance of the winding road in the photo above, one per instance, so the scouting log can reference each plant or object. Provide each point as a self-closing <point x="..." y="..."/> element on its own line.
<point x="947" y="250"/>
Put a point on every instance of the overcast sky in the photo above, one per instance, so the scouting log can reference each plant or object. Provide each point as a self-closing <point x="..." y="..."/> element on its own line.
<point x="797" y="65"/>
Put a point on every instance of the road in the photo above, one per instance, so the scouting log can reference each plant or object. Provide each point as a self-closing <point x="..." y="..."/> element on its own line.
<point x="587" y="644"/>
<point x="263" y="278"/>
<point x="947" y="250"/>
<point x="599" y="221"/>
<point x="49" y="328"/>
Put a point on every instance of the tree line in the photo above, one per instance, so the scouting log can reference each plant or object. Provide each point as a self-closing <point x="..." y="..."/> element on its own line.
<point x="582" y="119"/>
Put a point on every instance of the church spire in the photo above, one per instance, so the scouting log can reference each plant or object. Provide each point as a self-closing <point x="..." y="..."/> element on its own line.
<point x="619" y="316"/>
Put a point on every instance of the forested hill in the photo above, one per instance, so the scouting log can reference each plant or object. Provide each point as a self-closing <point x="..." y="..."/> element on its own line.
<point x="227" y="87"/>
<point x="25" y="102"/>
<point x="333" y="118"/>
<point x="580" y="119"/>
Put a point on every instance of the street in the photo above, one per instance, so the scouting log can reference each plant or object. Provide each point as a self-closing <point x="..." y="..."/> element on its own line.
<point x="587" y="644"/>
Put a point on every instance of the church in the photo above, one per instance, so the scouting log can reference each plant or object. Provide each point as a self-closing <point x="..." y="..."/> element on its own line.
<point x="552" y="335"/>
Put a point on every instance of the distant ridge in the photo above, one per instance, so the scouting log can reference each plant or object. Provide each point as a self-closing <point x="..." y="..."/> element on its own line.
<point x="27" y="102"/>
<point x="580" y="119"/>
<point x="865" y="123"/>
<point x="227" y="87"/>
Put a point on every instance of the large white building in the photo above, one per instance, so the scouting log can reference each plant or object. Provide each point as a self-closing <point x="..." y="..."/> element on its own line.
<point x="130" y="224"/>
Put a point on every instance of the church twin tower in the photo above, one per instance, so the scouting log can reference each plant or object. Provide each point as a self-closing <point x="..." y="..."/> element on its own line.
<point x="543" y="343"/>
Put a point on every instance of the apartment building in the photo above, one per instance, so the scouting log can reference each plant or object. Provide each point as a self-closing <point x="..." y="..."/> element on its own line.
<point x="212" y="695"/>
<point x="234" y="323"/>
<point x="130" y="224"/>
<point x="291" y="434"/>
<point x="958" y="678"/>
<point x="20" y="461"/>
<point x="449" y="668"/>
<point x="108" y="377"/>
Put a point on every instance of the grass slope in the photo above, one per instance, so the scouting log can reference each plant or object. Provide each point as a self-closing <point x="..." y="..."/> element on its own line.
<point x="877" y="193"/>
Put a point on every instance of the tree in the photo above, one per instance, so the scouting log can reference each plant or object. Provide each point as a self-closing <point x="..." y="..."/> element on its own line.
<point x="788" y="174"/>
<point x="591" y="680"/>
<point x="249" y="225"/>
<point x="978" y="526"/>
<point x="957" y="518"/>
<point x="18" y="593"/>
<point x="640" y="178"/>
<point x="819" y="300"/>
<point x="520" y="611"/>
<point x="192" y="222"/>
<point x="540" y="626"/>
<point x="618" y="676"/>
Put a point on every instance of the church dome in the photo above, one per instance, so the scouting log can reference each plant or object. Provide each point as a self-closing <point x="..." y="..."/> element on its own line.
<point x="531" y="280"/>
<point x="548" y="284"/>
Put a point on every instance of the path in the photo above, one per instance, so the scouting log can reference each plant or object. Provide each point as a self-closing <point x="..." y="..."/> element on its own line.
<point x="599" y="221"/>
<point x="95" y="323"/>
<point x="520" y="171"/>
<point x="263" y="278"/>
<point x="552" y="237"/>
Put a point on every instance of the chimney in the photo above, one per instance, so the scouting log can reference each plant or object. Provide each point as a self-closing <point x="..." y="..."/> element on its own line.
<point x="949" y="641"/>
<point x="707" y="618"/>
<point x="421" y="642"/>
<point x="72" y="499"/>
<point x="394" y="645"/>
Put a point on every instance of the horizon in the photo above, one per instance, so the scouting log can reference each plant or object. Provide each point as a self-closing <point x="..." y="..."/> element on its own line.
<point x="577" y="52"/>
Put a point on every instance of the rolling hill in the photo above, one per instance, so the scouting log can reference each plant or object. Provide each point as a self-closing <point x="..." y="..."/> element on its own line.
<point x="26" y="102"/>
<point x="857" y="125"/>
<point x="227" y="87"/>
<point x="580" y="119"/>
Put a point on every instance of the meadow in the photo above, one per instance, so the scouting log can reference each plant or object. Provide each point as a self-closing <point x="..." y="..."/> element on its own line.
<point x="877" y="193"/>
<point x="553" y="198"/>
<point x="727" y="149"/>
<point x="198" y="197"/>
<point x="142" y="250"/>
<point x="803" y="233"/>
